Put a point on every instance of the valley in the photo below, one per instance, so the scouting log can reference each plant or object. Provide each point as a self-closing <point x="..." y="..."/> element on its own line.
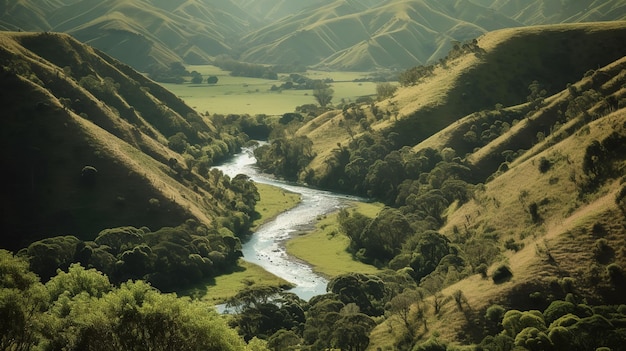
<point x="255" y="96"/>
<point x="451" y="172"/>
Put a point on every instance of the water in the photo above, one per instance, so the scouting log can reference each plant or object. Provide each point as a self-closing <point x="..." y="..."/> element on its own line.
<point x="266" y="247"/>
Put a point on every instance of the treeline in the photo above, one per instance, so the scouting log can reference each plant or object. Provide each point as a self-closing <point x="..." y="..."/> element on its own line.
<point x="80" y="309"/>
<point x="340" y="319"/>
<point x="167" y="258"/>
<point x="242" y="69"/>
<point x="568" y="324"/>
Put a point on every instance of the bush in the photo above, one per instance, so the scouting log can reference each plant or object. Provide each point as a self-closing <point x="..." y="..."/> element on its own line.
<point x="557" y="309"/>
<point x="501" y="274"/>
<point x="495" y="313"/>
<point x="544" y="165"/>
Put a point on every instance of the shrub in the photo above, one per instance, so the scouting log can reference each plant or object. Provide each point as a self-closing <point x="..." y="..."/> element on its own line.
<point x="544" y="165"/>
<point x="533" y="209"/>
<point x="501" y="274"/>
<point x="495" y="313"/>
<point x="614" y="271"/>
<point x="482" y="269"/>
<point x="557" y="309"/>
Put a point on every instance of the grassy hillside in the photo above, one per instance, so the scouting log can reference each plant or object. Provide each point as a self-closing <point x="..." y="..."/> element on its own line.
<point x="353" y="35"/>
<point x="500" y="73"/>
<point x="534" y="120"/>
<point x="68" y="106"/>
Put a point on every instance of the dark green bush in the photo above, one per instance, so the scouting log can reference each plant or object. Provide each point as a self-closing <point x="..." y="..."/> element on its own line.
<point x="501" y="274"/>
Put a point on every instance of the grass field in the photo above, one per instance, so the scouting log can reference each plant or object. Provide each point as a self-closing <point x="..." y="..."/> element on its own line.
<point x="242" y="95"/>
<point x="273" y="201"/>
<point x="325" y="248"/>
<point x="227" y="285"/>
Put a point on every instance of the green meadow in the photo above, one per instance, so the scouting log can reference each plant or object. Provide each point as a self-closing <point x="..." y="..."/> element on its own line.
<point x="325" y="247"/>
<point x="243" y="95"/>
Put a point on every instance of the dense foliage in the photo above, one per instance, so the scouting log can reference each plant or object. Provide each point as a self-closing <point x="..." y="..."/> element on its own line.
<point x="81" y="310"/>
<point x="563" y="325"/>
<point x="285" y="157"/>
<point x="169" y="257"/>
<point x="242" y="69"/>
<point x="342" y="318"/>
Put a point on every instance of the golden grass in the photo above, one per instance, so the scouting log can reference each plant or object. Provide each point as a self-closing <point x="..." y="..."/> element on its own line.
<point x="325" y="247"/>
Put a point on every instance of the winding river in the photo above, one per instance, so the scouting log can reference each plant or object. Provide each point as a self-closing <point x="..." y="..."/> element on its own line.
<point x="266" y="247"/>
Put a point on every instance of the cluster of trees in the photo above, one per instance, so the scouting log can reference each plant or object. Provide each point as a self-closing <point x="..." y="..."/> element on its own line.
<point x="564" y="325"/>
<point x="242" y="69"/>
<point x="81" y="310"/>
<point x="167" y="258"/>
<point x="174" y="73"/>
<point x="297" y="81"/>
<point x="373" y="166"/>
<point x="196" y="78"/>
<point x="285" y="157"/>
<point x="342" y="318"/>
<point x="600" y="160"/>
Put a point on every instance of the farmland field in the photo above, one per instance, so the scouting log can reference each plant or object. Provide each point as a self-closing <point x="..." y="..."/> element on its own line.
<point x="243" y="95"/>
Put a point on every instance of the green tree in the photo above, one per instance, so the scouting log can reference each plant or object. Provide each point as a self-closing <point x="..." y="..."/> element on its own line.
<point x="323" y="93"/>
<point x="385" y="90"/>
<point x="365" y="290"/>
<point x="196" y="77"/>
<point x="212" y="80"/>
<point x="22" y="302"/>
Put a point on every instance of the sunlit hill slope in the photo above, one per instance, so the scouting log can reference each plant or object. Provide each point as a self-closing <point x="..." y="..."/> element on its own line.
<point x="525" y="113"/>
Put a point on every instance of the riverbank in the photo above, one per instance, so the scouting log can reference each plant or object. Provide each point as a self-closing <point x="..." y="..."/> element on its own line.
<point x="324" y="248"/>
<point x="272" y="202"/>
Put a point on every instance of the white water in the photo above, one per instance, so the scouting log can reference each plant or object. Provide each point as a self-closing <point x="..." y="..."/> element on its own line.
<point x="266" y="246"/>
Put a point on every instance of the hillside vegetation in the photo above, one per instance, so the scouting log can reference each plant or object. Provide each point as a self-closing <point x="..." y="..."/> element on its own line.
<point x="337" y="34"/>
<point x="502" y="167"/>
<point x="105" y="167"/>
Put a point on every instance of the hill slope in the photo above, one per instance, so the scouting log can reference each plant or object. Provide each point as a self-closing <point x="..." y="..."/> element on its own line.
<point x="545" y="159"/>
<point x="86" y="145"/>
<point x="353" y="35"/>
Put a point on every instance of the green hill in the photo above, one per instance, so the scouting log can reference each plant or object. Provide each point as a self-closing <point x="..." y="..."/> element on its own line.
<point x="91" y="147"/>
<point x="346" y="35"/>
<point x="512" y="149"/>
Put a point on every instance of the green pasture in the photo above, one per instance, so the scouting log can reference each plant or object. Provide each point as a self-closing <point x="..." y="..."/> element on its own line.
<point x="242" y="95"/>
<point x="274" y="201"/>
<point x="325" y="247"/>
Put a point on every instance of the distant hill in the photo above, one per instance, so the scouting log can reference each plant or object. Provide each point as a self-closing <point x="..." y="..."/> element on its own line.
<point x="352" y="35"/>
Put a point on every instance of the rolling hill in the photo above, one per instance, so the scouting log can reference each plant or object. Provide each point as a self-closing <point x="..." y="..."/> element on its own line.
<point x="87" y="145"/>
<point x="349" y="35"/>
<point x="525" y="115"/>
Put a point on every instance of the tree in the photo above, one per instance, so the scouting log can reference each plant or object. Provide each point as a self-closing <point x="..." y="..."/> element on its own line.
<point x="22" y="299"/>
<point x="323" y="93"/>
<point x="385" y="90"/>
<point x="212" y="80"/>
<point x="196" y="77"/>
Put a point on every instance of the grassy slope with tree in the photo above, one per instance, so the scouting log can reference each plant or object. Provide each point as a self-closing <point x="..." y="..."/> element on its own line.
<point x="503" y="174"/>
<point x="115" y="167"/>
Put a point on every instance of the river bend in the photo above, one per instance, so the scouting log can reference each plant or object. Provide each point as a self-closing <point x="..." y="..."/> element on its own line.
<point x="266" y="246"/>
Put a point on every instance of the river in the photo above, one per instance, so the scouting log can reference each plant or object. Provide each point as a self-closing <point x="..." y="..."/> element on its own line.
<point x="266" y="246"/>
